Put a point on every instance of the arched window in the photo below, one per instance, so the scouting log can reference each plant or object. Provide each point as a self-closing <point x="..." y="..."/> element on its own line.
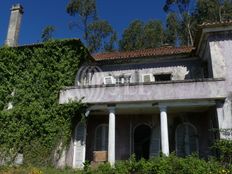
<point x="186" y="139"/>
<point x="101" y="138"/>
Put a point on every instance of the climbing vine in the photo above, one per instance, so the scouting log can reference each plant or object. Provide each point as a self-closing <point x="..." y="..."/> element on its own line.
<point x="30" y="80"/>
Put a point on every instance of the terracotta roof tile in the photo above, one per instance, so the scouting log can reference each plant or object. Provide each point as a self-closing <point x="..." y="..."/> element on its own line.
<point x="152" y="52"/>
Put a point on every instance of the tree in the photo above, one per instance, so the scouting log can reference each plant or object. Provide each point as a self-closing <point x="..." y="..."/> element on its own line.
<point x="172" y="28"/>
<point x="141" y="35"/>
<point x="183" y="10"/>
<point x="132" y="37"/>
<point x="213" y="10"/>
<point x="185" y="15"/>
<point x="97" y="34"/>
<point x="87" y="12"/>
<point x="47" y="33"/>
<point x="153" y="34"/>
<point x="101" y="36"/>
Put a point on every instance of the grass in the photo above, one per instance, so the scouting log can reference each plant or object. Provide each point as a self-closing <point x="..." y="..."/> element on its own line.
<point x="34" y="170"/>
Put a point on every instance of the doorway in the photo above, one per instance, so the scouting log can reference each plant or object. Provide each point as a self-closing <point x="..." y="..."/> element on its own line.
<point x="142" y="136"/>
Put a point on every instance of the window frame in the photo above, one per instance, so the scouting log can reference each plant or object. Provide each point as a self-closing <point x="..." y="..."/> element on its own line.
<point x="196" y="133"/>
<point x="106" y="126"/>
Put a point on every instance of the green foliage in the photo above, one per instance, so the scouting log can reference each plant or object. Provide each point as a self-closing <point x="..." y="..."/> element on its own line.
<point x="86" y="11"/>
<point x="98" y="34"/>
<point x="213" y="10"/>
<point x="164" y="165"/>
<point x="132" y="37"/>
<point x="183" y="10"/>
<point x="101" y="36"/>
<point x="172" y="29"/>
<point x="224" y="148"/>
<point x="47" y="33"/>
<point x="153" y="34"/>
<point x="159" y="165"/>
<point x="36" y="170"/>
<point x="31" y="78"/>
<point x="184" y="16"/>
<point x="140" y="36"/>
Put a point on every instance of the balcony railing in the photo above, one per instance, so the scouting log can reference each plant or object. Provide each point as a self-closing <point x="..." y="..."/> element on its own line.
<point x="152" y="91"/>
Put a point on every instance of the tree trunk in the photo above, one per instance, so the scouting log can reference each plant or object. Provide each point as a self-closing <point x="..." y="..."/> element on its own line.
<point x="190" y="36"/>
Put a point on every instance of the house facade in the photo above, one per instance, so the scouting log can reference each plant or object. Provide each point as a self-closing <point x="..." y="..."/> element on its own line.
<point x="150" y="101"/>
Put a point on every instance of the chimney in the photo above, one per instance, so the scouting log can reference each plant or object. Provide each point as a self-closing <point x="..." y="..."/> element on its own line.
<point x="14" y="25"/>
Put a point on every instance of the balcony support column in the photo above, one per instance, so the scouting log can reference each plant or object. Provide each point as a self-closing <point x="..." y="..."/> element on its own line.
<point x="111" y="134"/>
<point x="164" y="130"/>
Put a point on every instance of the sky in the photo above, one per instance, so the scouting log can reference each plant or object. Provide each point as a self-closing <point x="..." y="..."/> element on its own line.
<point x="40" y="13"/>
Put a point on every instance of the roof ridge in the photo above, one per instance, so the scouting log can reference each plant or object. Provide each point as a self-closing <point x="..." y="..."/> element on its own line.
<point x="160" y="51"/>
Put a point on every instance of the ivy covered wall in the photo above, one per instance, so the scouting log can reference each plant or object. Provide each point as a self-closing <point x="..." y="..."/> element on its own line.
<point x="31" y="78"/>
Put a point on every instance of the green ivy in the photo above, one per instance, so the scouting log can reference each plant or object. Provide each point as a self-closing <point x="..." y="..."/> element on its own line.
<point x="31" y="78"/>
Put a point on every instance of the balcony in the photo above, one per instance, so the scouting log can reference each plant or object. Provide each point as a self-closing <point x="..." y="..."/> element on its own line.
<point x="143" y="92"/>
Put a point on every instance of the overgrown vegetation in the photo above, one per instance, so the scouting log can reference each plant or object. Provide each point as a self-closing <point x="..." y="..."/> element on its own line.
<point x="30" y="80"/>
<point x="160" y="165"/>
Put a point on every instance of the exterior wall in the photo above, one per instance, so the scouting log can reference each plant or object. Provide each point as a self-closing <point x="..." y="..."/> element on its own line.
<point x="69" y="156"/>
<point x="221" y="56"/>
<point x="65" y="158"/>
<point x="188" y="68"/>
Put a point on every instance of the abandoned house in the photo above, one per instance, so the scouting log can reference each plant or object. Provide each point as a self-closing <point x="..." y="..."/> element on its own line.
<point x="145" y="102"/>
<point x="149" y="101"/>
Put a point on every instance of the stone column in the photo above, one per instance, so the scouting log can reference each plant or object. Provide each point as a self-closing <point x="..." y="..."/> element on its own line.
<point x="164" y="130"/>
<point x="111" y="134"/>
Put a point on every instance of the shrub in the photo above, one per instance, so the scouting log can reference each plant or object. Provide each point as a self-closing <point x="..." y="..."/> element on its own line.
<point x="164" y="165"/>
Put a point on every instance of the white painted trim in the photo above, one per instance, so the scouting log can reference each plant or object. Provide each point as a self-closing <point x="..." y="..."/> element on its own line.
<point x="164" y="130"/>
<point x="111" y="135"/>
<point x="195" y="130"/>
<point x="75" y="143"/>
